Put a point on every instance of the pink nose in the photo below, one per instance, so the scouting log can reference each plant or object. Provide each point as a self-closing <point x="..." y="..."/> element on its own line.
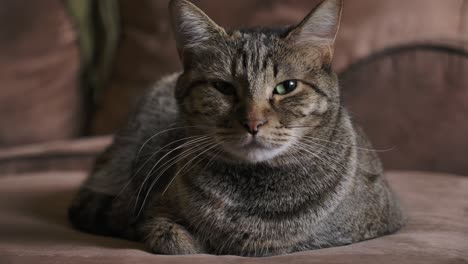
<point x="252" y="126"/>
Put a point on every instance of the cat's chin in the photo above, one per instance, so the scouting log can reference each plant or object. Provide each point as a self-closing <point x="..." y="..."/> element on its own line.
<point x="255" y="154"/>
<point x="253" y="150"/>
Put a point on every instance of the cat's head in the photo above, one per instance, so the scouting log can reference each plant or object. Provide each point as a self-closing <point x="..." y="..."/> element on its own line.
<point x="257" y="92"/>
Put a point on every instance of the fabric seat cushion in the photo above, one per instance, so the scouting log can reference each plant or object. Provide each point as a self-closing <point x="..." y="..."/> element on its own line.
<point x="34" y="227"/>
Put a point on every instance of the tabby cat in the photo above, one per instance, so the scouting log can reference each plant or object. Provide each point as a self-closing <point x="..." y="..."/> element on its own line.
<point x="246" y="152"/>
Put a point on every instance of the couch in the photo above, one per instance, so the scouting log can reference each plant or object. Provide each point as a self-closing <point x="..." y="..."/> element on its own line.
<point x="403" y="66"/>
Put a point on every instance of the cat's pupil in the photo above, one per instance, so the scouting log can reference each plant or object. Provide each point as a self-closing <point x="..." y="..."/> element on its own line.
<point x="285" y="87"/>
<point x="224" y="87"/>
<point x="290" y="85"/>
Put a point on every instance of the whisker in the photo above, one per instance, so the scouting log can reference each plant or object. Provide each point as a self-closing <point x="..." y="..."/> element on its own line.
<point x="216" y="152"/>
<point x="215" y="155"/>
<point x="319" y="158"/>
<point x="327" y="155"/>
<point x="189" y="162"/>
<point x="191" y="142"/>
<point x="182" y="156"/>
<point x="347" y="145"/>
<point x="164" y="131"/>
<point x="343" y="145"/>
<point x="153" y="136"/>
<point x="147" y="160"/>
<point x="174" y="160"/>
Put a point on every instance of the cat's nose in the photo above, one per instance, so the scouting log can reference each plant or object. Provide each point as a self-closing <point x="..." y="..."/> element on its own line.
<point x="252" y="126"/>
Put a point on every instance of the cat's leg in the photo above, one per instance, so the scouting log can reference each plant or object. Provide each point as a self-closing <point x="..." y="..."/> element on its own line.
<point x="98" y="207"/>
<point x="163" y="232"/>
<point x="100" y="214"/>
<point x="164" y="236"/>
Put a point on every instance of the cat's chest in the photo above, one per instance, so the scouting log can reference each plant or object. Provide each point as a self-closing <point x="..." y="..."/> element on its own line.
<point x="246" y="213"/>
<point x="254" y="192"/>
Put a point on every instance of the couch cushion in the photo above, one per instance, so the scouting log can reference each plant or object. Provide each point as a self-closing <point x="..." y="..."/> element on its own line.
<point x="55" y="155"/>
<point x="34" y="227"/>
<point x="413" y="101"/>
<point x="40" y="95"/>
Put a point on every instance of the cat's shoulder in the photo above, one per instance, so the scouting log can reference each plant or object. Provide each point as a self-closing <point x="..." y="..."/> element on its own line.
<point x="160" y="95"/>
<point x="157" y="105"/>
<point x="164" y="86"/>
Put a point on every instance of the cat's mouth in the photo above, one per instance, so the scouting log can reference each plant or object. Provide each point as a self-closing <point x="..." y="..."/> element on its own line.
<point x="251" y="142"/>
<point x="253" y="149"/>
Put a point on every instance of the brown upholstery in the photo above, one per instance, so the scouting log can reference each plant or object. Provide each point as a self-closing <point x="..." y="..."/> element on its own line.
<point x="40" y="96"/>
<point x="413" y="101"/>
<point x="34" y="228"/>
<point x="371" y="26"/>
<point x="59" y="155"/>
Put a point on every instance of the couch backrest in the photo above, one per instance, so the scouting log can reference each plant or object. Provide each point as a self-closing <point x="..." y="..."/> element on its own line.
<point x="40" y="95"/>
<point x="413" y="103"/>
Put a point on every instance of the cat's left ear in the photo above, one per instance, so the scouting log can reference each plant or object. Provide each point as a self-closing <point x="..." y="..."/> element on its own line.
<point x="193" y="29"/>
<point x="319" y="28"/>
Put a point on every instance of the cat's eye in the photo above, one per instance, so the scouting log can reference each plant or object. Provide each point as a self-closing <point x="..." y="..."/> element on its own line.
<point x="224" y="87"/>
<point x="285" y="87"/>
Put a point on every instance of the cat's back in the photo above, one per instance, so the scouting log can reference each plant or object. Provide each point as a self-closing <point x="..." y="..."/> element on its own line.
<point x="154" y="117"/>
<point x="158" y="107"/>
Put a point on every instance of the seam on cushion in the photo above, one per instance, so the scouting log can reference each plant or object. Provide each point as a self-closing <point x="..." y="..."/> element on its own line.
<point x="389" y="51"/>
<point x="47" y="163"/>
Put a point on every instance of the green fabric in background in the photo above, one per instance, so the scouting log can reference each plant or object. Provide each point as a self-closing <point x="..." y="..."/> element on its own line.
<point x="98" y="24"/>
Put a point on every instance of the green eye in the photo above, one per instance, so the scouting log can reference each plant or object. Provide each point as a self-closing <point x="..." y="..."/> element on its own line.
<point x="285" y="87"/>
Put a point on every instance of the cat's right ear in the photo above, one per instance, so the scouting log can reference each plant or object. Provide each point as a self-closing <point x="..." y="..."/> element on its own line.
<point x="319" y="28"/>
<point x="193" y="29"/>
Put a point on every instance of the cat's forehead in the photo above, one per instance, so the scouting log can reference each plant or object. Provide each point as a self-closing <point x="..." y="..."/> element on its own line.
<point x="254" y="58"/>
<point x="279" y="32"/>
<point x="252" y="38"/>
<point x="262" y="54"/>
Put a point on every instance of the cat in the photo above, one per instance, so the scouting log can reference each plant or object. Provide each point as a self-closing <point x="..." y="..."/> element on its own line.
<point x="246" y="152"/>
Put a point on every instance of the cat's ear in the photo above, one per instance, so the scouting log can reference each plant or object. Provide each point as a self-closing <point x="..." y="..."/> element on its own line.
<point x="319" y="27"/>
<point x="192" y="27"/>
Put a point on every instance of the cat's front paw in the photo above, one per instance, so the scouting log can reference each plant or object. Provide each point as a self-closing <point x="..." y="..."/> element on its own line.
<point x="162" y="236"/>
